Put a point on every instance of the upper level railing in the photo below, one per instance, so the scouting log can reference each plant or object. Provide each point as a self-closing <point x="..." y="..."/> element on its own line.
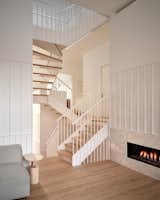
<point x="68" y="22"/>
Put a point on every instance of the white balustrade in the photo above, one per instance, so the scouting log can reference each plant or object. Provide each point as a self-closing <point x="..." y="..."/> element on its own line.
<point x="88" y="129"/>
<point x="84" y="128"/>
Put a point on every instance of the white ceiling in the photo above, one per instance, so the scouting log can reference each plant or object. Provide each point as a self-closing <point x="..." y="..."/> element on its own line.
<point x="104" y="7"/>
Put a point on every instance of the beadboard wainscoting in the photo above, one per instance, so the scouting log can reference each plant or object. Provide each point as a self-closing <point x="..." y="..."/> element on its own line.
<point x="16" y="104"/>
<point x="135" y="95"/>
<point x="24" y="139"/>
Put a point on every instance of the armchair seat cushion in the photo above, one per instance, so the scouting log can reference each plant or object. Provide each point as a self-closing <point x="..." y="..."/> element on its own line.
<point x="14" y="181"/>
<point x="10" y="154"/>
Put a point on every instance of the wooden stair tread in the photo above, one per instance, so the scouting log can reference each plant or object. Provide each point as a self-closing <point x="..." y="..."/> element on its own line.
<point x="44" y="74"/>
<point x="38" y="88"/>
<point x="46" y="56"/>
<point x="45" y="82"/>
<point x="40" y="94"/>
<point x="68" y="144"/>
<point x="68" y="147"/>
<point x="65" y="153"/>
<point x="46" y="66"/>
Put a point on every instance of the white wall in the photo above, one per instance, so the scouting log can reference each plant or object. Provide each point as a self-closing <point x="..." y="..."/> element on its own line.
<point x="16" y="73"/>
<point x="135" y="48"/>
<point x="95" y="57"/>
<point x="135" y="35"/>
<point x="93" y="61"/>
<point x="72" y="65"/>
<point x="36" y="128"/>
<point x="84" y="60"/>
<point x="48" y="119"/>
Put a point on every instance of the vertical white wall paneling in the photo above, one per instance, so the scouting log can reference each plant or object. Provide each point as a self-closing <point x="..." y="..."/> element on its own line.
<point x="135" y="42"/>
<point x="36" y="129"/>
<point x="136" y="99"/>
<point x="148" y="96"/>
<point x="15" y="104"/>
<point x="141" y="99"/>
<point x="16" y="73"/>
<point x="4" y="99"/>
<point x="156" y="99"/>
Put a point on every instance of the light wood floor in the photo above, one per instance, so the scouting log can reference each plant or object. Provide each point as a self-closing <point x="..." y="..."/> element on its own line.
<point x="105" y="181"/>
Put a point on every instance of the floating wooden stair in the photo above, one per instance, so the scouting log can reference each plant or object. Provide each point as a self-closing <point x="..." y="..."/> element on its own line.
<point x="46" y="66"/>
<point x="41" y="95"/>
<point x="44" y="56"/>
<point x="38" y="88"/>
<point x="46" y="69"/>
<point x="53" y="48"/>
<point x="43" y="74"/>
<point x="45" y="82"/>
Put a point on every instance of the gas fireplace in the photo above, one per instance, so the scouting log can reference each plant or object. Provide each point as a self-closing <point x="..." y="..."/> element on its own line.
<point x="144" y="154"/>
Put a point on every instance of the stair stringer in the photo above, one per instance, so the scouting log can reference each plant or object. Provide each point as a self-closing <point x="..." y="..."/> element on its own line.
<point x="52" y="101"/>
<point x="90" y="146"/>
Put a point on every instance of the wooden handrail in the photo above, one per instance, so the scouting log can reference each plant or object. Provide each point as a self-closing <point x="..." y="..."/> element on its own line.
<point x="46" y="66"/>
<point x="44" y="55"/>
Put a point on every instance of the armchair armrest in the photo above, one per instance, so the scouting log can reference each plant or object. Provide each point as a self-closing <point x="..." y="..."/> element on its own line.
<point x="25" y="163"/>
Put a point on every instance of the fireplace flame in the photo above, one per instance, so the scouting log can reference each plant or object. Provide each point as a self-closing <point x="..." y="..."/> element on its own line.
<point x="151" y="155"/>
<point x="141" y="153"/>
<point x="144" y="154"/>
<point x="155" y="156"/>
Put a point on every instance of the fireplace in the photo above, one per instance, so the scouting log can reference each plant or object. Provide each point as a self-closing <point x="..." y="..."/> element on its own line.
<point x="144" y="154"/>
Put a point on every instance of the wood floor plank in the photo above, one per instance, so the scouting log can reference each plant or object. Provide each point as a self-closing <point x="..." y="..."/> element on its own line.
<point x="104" y="181"/>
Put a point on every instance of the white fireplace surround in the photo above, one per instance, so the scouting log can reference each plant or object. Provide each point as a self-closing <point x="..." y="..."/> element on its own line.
<point x="119" y="139"/>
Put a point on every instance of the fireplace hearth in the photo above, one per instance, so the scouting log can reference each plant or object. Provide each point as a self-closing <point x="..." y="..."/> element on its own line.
<point x="144" y="154"/>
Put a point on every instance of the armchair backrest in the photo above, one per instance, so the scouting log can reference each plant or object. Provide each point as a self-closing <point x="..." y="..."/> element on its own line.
<point x="10" y="154"/>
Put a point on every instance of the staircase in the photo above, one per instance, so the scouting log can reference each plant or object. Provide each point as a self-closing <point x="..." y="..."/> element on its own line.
<point x="47" y="63"/>
<point x="81" y="140"/>
<point x="82" y="130"/>
<point x="47" y="87"/>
